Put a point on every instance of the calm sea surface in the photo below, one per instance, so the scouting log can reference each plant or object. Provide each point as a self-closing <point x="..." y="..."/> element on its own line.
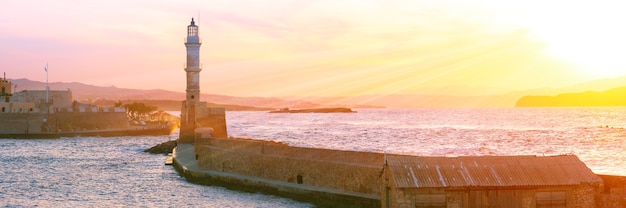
<point x="99" y="172"/>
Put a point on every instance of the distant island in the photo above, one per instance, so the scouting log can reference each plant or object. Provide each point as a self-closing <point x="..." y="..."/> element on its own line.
<point x="315" y="110"/>
<point x="612" y="97"/>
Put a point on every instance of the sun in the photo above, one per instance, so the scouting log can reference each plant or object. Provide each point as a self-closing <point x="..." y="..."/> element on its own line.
<point x="586" y="34"/>
<point x="597" y="53"/>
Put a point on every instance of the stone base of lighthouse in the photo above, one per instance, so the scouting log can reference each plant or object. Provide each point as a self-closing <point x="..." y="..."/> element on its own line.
<point x="211" y="117"/>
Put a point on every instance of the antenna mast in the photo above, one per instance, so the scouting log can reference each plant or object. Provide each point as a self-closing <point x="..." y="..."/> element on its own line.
<point x="47" y="87"/>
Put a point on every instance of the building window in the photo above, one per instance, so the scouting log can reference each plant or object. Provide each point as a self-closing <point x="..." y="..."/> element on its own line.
<point x="299" y="179"/>
<point x="430" y="201"/>
<point x="551" y="199"/>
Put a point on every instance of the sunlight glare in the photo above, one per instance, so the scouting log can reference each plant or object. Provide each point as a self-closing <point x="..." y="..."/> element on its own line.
<point x="587" y="34"/>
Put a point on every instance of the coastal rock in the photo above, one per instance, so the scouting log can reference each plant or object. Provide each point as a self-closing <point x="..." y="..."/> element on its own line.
<point x="315" y="110"/>
<point x="163" y="148"/>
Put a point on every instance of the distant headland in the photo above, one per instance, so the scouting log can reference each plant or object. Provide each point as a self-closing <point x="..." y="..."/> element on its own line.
<point x="612" y="97"/>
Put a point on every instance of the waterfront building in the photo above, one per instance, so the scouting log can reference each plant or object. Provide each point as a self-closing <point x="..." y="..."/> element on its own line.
<point x="50" y="111"/>
<point x="32" y="101"/>
<point x="489" y="181"/>
<point x="5" y="88"/>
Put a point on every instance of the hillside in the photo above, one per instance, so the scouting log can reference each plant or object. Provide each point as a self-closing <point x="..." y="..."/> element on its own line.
<point x="85" y="92"/>
<point x="612" y="97"/>
<point x="90" y="94"/>
<point x="175" y="105"/>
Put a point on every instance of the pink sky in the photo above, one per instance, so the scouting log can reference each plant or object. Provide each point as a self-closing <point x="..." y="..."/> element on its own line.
<point x="317" y="48"/>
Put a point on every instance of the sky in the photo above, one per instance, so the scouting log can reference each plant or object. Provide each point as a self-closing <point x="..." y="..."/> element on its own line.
<point x="317" y="47"/>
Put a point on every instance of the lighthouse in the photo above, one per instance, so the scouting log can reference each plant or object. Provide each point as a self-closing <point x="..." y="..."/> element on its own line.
<point x="189" y="110"/>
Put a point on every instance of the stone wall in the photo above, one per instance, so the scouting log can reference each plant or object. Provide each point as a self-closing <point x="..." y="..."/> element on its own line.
<point x="75" y="121"/>
<point x="454" y="200"/>
<point x="6" y="107"/>
<point x="279" y="149"/>
<point x="214" y="118"/>
<point x="613" y="194"/>
<point x="59" y="99"/>
<point x="528" y="199"/>
<point x="19" y="123"/>
<point x="356" y="172"/>
<point x="583" y="196"/>
<point x="204" y="116"/>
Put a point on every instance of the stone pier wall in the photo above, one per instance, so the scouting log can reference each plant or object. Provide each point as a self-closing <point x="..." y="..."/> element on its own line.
<point x="614" y="193"/>
<point x="354" y="173"/>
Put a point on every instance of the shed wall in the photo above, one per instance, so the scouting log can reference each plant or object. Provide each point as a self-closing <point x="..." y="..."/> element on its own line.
<point x="580" y="196"/>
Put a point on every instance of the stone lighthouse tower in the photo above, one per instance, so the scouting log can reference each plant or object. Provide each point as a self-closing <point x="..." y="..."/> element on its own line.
<point x="189" y="110"/>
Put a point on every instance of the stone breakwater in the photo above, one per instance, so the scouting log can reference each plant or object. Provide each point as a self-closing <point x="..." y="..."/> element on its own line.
<point x="328" y="178"/>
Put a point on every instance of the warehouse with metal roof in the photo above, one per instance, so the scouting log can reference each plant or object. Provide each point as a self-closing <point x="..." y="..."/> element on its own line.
<point x="488" y="181"/>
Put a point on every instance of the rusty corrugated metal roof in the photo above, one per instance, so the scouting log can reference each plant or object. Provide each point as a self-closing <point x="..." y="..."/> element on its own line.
<point x="488" y="171"/>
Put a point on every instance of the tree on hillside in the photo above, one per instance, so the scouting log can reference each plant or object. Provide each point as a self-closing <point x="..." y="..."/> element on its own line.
<point x="136" y="111"/>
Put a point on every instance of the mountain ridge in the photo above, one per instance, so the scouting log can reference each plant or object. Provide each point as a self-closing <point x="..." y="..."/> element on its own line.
<point x="91" y="93"/>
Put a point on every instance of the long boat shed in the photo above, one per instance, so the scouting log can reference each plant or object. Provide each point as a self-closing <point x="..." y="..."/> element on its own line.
<point x="488" y="181"/>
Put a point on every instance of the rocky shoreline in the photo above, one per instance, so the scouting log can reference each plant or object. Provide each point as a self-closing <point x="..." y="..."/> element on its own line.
<point x="163" y="148"/>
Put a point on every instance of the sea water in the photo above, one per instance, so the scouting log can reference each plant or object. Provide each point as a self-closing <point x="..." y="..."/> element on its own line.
<point x="114" y="171"/>
<point x="596" y="135"/>
<point x="106" y="172"/>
